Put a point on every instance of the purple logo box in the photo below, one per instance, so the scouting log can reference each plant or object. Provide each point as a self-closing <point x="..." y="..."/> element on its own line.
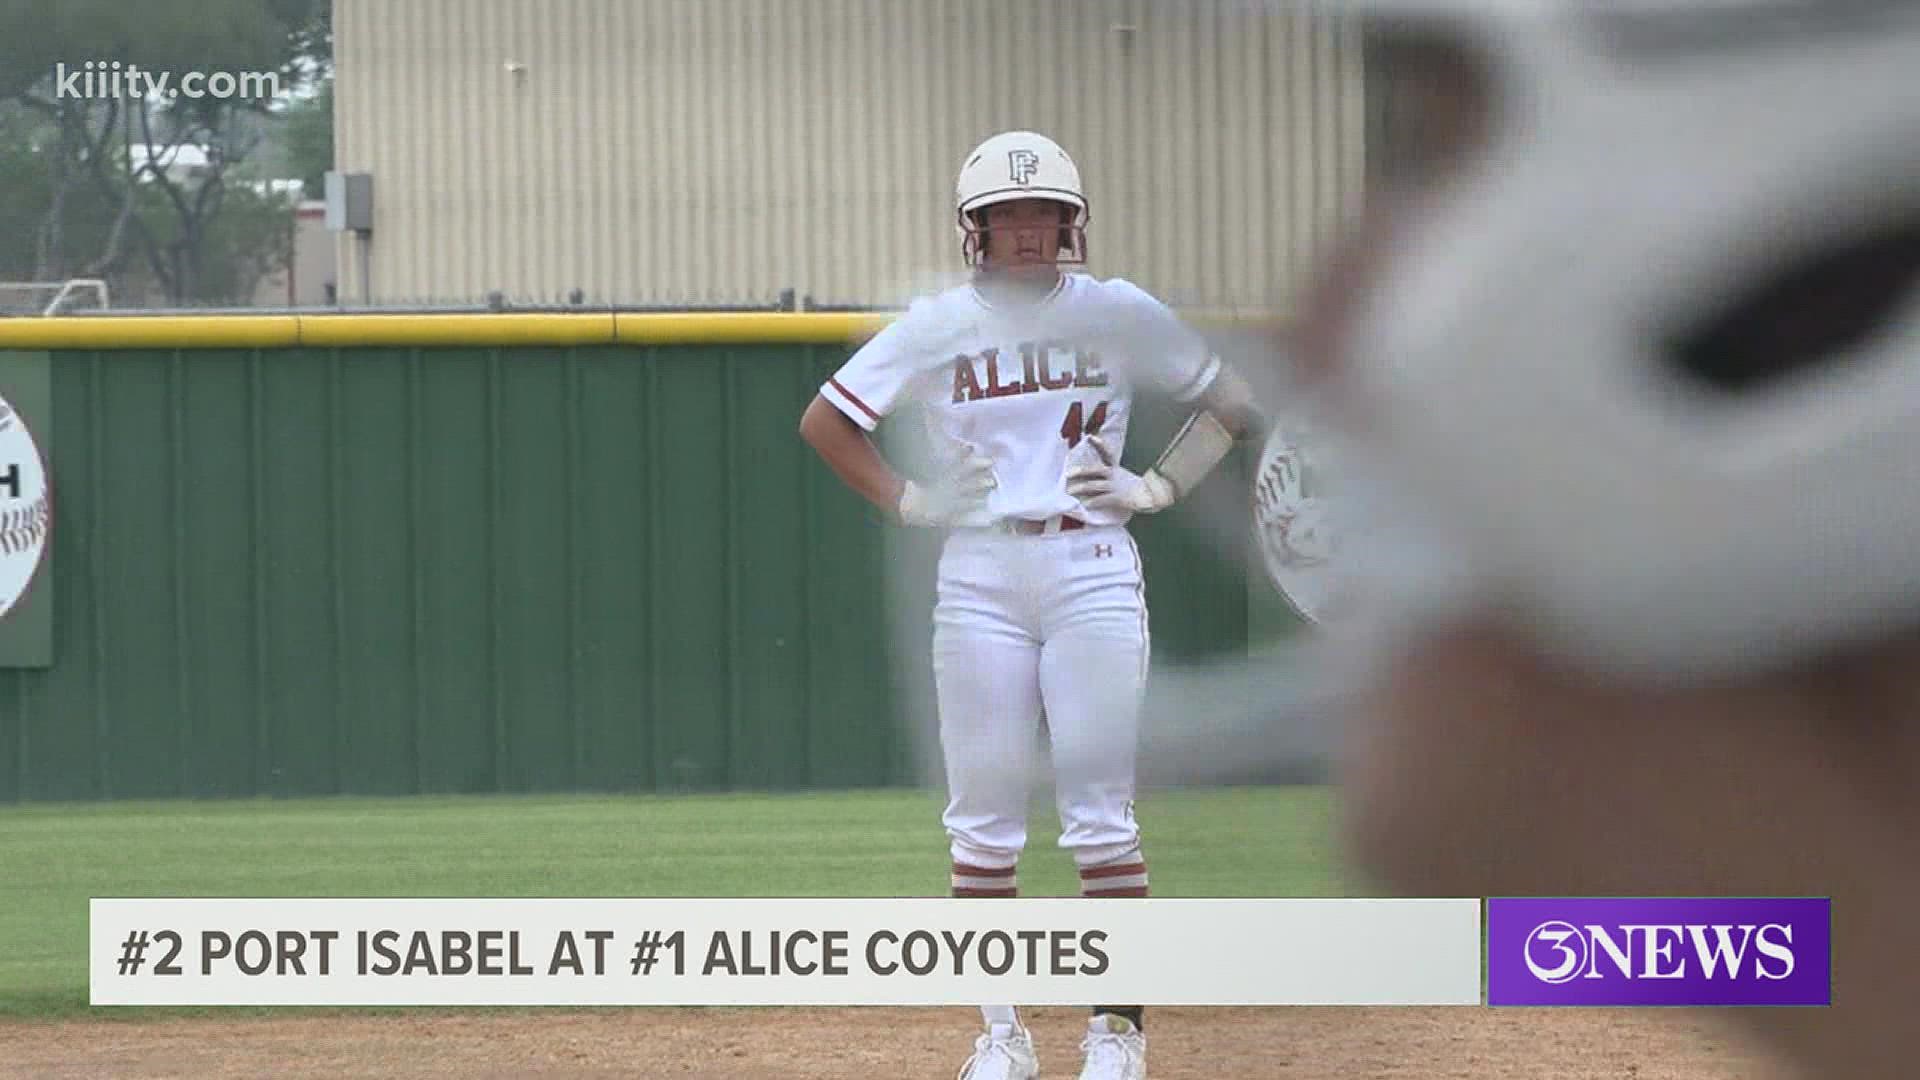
<point x="1662" y="951"/>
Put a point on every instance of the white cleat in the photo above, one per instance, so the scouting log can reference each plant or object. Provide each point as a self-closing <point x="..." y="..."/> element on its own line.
<point x="1115" y="1049"/>
<point x="1005" y="1052"/>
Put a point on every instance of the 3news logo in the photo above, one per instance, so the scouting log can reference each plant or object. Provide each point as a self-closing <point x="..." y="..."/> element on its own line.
<point x="1719" y="951"/>
<point x="1559" y="952"/>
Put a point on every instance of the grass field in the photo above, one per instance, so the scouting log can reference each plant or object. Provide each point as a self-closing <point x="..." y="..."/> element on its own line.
<point x="1226" y="842"/>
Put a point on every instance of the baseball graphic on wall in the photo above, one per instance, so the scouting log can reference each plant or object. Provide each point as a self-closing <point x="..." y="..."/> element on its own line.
<point x="1297" y="520"/>
<point x="26" y="507"/>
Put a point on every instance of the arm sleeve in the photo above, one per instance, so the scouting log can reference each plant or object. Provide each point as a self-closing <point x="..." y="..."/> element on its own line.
<point x="1167" y="354"/>
<point x="872" y="382"/>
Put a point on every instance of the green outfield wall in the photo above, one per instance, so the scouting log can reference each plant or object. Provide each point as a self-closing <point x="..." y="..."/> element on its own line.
<point x="471" y="554"/>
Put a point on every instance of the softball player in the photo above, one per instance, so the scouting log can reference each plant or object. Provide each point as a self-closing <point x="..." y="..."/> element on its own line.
<point x="1027" y="376"/>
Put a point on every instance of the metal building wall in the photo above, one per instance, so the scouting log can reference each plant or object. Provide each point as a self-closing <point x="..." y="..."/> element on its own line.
<point x="722" y="150"/>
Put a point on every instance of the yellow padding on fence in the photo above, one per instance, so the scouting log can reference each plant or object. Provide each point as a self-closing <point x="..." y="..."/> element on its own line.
<point x="333" y="331"/>
<point x="749" y="328"/>
<point x="286" y="331"/>
<point x="151" y="332"/>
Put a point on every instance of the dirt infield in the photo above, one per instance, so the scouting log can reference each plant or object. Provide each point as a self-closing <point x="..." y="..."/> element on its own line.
<point x="814" y="1044"/>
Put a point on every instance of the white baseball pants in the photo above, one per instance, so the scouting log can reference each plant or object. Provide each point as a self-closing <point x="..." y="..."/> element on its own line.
<point x="1027" y="626"/>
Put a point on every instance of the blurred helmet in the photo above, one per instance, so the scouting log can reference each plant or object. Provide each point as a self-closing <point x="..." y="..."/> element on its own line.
<point x="1645" y="342"/>
<point x="1019" y="165"/>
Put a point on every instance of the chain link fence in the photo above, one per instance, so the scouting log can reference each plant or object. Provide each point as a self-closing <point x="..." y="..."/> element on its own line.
<point x="95" y="298"/>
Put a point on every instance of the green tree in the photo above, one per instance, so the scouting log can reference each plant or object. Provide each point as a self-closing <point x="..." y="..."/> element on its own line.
<point x="308" y="135"/>
<point x="110" y="192"/>
<point x="52" y="226"/>
<point x="250" y="238"/>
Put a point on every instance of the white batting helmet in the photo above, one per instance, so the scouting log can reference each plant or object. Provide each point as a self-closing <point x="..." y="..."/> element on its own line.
<point x="1018" y="165"/>
<point x="1649" y="347"/>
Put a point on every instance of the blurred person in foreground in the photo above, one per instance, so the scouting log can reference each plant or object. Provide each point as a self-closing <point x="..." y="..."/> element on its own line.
<point x="1637" y="349"/>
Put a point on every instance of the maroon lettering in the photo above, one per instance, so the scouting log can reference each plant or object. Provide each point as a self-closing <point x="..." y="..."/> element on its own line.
<point x="965" y="386"/>
<point x="1031" y="382"/>
<point x="995" y="388"/>
<point x="1087" y="370"/>
<point x="1047" y="378"/>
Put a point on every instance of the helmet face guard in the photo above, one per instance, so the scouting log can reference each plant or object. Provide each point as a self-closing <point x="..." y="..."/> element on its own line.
<point x="1070" y="248"/>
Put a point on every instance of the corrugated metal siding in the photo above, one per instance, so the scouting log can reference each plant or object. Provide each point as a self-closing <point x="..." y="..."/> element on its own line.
<point x="718" y="150"/>
<point x="397" y="571"/>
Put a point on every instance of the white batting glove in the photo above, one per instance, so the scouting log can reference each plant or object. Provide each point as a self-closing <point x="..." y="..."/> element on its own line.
<point x="954" y="496"/>
<point x="1102" y="484"/>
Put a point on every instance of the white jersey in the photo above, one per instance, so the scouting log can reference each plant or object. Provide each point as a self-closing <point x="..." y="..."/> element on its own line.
<point x="1025" y="387"/>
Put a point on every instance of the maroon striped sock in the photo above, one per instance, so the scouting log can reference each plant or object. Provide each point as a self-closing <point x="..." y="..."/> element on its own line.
<point x="1127" y="878"/>
<point x="984" y="881"/>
